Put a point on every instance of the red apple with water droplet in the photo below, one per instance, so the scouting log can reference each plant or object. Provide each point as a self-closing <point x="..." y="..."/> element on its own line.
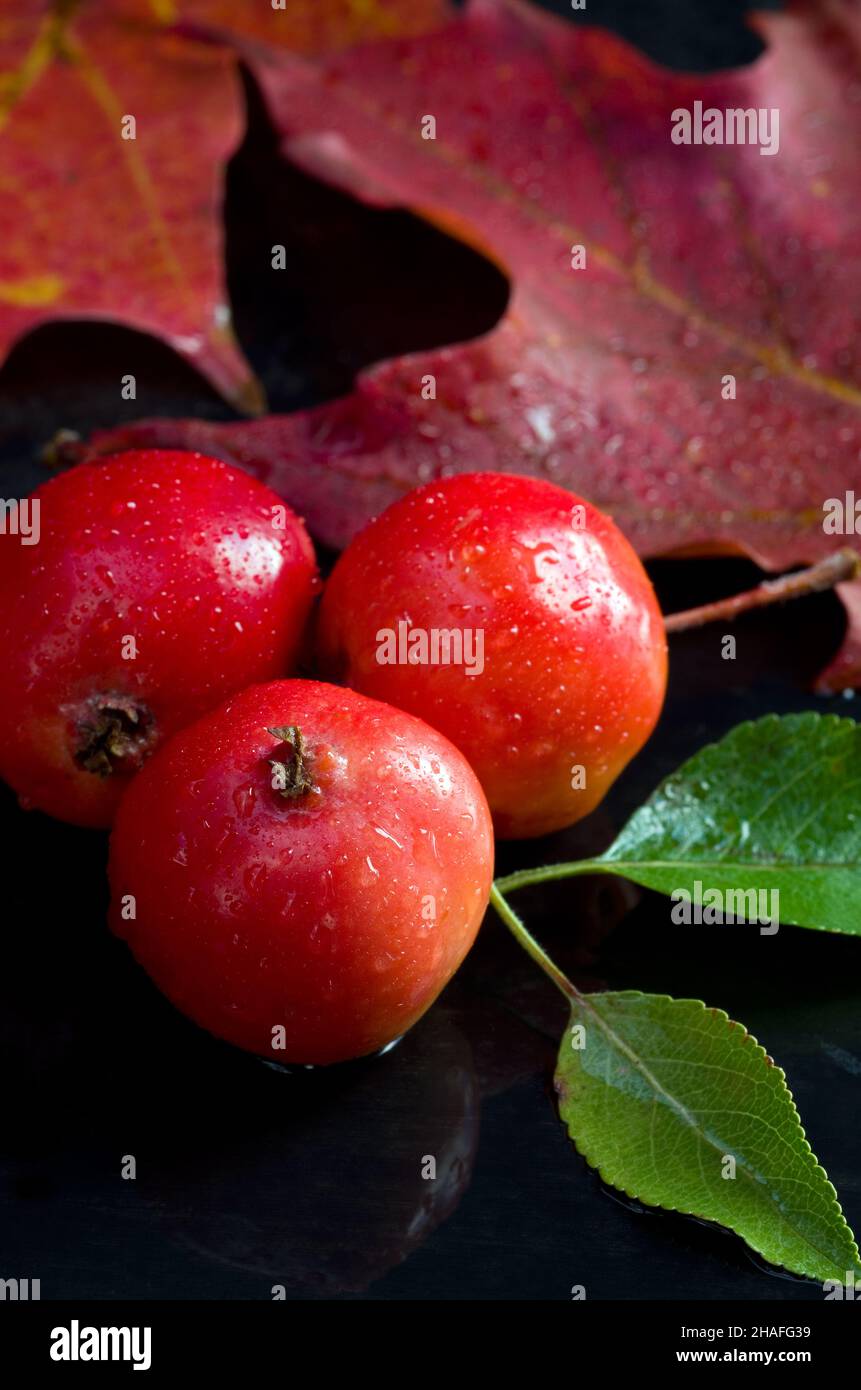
<point x="302" y="870"/>
<point x="517" y="619"/>
<point x="155" y="583"/>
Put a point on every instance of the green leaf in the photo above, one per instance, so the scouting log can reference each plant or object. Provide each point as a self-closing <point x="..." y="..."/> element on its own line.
<point x="774" y="807"/>
<point x="659" y="1093"/>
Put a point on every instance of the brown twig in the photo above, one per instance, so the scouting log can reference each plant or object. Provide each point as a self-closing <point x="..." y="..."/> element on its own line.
<point x="836" y="569"/>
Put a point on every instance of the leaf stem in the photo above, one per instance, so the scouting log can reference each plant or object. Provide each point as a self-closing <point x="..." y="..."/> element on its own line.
<point x="835" y="569"/>
<point x="548" y="872"/>
<point x="530" y="945"/>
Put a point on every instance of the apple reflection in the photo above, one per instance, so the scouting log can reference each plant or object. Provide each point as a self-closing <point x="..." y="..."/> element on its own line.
<point x="323" y="1180"/>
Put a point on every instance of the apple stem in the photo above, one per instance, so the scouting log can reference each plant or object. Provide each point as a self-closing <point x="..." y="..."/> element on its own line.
<point x="530" y="945"/>
<point x="839" y="568"/>
<point x="292" y="776"/>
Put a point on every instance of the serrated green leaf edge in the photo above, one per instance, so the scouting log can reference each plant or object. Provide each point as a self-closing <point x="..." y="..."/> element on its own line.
<point x="615" y="1177"/>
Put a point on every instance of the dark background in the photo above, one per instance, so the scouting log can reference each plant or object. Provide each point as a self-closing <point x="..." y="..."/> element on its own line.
<point x="246" y="1177"/>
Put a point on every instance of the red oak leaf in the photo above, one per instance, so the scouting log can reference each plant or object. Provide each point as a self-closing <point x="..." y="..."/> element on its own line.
<point x="101" y="218"/>
<point x="681" y="340"/>
<point x="99" y="225"/>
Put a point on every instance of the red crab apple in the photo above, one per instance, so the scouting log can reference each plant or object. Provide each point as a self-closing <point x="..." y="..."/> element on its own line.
<point x="159" y="582"/>
<point x="515" y="618"/>
<point x="302" y="870"/>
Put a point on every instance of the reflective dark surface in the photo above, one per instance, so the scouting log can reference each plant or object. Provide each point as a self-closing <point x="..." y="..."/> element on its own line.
<point x="248" y="1178"/>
